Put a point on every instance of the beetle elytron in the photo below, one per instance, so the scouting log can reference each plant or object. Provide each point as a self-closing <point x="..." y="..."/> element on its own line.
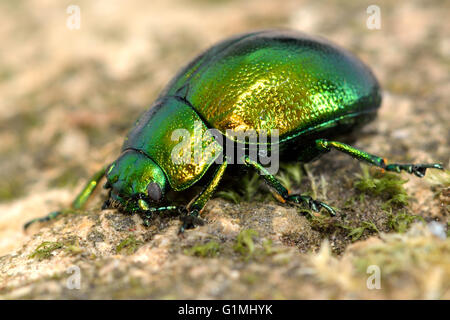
<point x="307" y="88"/>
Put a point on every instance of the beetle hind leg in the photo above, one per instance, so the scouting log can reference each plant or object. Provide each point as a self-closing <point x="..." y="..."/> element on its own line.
<point x="416" y="169"/>
<point x="282" y="194"/>
<point x="312" y="204"/>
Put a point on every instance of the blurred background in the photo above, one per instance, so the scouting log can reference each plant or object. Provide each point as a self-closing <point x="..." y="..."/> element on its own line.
<point x="69" y="95"/>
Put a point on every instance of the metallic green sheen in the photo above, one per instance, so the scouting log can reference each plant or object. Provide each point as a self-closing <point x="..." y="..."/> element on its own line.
<point x="263" y="80"/>
<point x="153" y="135"/>
<point x="131" y="173"/>
<point x="281" y="80"/>
<point x="306" y="88"/>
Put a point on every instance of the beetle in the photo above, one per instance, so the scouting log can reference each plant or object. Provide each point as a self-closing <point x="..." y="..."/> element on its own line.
<point x="305" y="87"/>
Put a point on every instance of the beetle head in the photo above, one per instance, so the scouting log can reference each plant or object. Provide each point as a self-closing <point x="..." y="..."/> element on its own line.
<point x="136" y="181"/>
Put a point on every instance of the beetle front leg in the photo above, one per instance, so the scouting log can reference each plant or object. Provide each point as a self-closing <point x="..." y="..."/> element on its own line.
<point x="50" y="216"/>
<point x="189" y="219"/>
<point x="189" y="216"/>
<point x="417" y="169"/>
<point x="79" y="201"/>
<point x="147" y="212"/>
<point x="283" y="194"/>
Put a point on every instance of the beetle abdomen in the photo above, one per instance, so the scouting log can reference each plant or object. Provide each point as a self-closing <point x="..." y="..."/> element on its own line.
<point x="281" y="80"/>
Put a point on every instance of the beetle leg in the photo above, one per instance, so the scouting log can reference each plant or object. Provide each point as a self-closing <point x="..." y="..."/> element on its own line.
<point x="189" y="219"/>
<point x="280" y="190"/>
<point x="147" y="214"/>
<point x="50" y="216"/>
<point x="79" y="201"/>
<point x="88" y="189"/>
<point x="417" y="169"/>
<point x="189" y="216"/>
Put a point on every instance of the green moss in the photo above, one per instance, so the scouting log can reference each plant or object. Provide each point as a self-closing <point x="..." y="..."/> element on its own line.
<point x="352" y="202"/>
<point x="388" y="185"/>
<point x="321" y="222"/>
<point x="251" y="278"/>
<point x="244" y="242"/>
<point x="405" y="254"/>
<point x="314" y="189"/>
<point x="229" y="195"/>
<point x="45" y="249"/>
<point x="246" y="191"/>
<point x="69" y="177"/>
<point x="290" y="175"/>
<point x="268" y="248"/>
<point x="210" y="249"/>
<point x="72" y="247"/>
<point x="12" y="188"/>
<point x="440" y="184"/>
<point x="355" y="233"/>
<point x="400" y="222"/>
<point x="331" y="225"/>
<point x="250" y="186"/>
<point x="130" y="244"/>
<point x="440" y="178"/>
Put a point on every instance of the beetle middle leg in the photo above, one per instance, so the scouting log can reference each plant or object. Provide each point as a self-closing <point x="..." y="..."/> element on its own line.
<point x="189" y="216"/>
<point x="417" y="169"/>
<point x="282" y="193"/>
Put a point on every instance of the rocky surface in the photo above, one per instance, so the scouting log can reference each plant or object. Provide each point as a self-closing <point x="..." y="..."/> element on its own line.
<point x="69" y="97"/>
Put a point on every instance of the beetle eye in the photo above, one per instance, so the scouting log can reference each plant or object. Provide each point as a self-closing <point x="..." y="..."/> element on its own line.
<point x="154" y="192"/>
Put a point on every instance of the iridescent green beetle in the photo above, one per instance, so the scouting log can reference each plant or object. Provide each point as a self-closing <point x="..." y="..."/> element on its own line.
<point x="306" y="88"/>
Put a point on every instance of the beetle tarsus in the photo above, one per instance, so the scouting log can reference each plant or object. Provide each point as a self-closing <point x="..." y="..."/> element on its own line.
<point x="417" y="169"/>
<point x="106" y="204"/>
<point x="190" y="220"/>
<point x="146" y="222"/>
<point x="50" y="216"/>
<point x="147" y="215"/>
<point x="312" y="204"/>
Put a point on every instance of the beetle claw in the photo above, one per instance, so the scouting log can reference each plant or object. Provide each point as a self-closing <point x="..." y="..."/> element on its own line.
<point x="328" y="208"/>
<point x="106" y="204"/>
<point x="312" y="204"/>
<point x="189" y="220"/>
<point x="420" y="169"/>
